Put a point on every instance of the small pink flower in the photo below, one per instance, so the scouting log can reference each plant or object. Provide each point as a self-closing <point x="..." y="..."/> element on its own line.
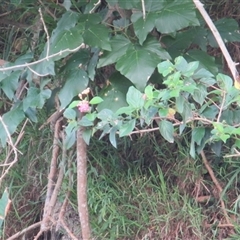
<point x="84" y="107"/>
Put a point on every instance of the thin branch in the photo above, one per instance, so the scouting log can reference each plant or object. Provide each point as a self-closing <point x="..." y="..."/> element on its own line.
<point x="95" y="6"/>
<point x="221" y="44"/>
<point x="46" y="31"/>
<point x="143" y="9"/>
<point x="217" y="184"/>
<point x="18" y="234"/>
<point x="221" y="108"/>
<point x="2" y="69"/>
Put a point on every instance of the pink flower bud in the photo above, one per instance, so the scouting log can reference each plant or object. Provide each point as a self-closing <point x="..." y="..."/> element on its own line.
<point x="84" y="107"/>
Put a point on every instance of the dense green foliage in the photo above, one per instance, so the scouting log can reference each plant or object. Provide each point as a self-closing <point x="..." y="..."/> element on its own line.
<point x="149" y="66"/>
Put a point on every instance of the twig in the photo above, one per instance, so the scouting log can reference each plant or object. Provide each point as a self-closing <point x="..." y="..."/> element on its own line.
<point x="231" y="64"/>
<point x="217" y="184"/>
<point x="221" y="108"/>
<point x="95" y="6"/>
<point x="2" y="69"/>
<point x="46" y="31"/>
<point x="45" y="224"/>
<point x="14" y="149"/>
<point x="20" y="233"/>
<point x="143" y="9"/>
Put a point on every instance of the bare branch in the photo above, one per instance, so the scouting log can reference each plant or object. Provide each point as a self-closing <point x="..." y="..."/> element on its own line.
<point x="2" y="69"/>
<point x="221" y="44"/>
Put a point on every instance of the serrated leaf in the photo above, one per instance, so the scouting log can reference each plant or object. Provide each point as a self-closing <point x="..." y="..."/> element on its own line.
<point x="127" y="128"/>
<point x="167" y="130"/>
<point x="142" y="27"/>
<point x="135" y="98"/>
<point x="76" y="82"/>
<point x="70" y="113"/>
<point x="176" y="15"/>
<point x="96" y="100"/>
<point x="119" y="45"/>
<point x="138" y="65"/>
<point x="97" y="36"/>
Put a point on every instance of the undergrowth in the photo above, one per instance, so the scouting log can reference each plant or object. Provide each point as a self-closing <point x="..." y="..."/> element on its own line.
<point x="144" y="189"/>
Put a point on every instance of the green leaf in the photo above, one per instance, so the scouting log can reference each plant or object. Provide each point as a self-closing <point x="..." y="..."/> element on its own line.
<point x="141" y="26"/>
<point x="91" y="69"/>
<point x="67" y="4"/>
<point x="119" y="45"/>
<point x="36" y="98"/>
<point x="210" y="112"/>
<point x="67" y="21"/>
<point x="167" y="130"/>
<point x="112" y="136"/>
<point x="192" y="148"/>
<point x="70" y="114"/>
<point x="114" y="95"/>
<point x="151" y="44"/>
<point x="70" y="134"/>
<point x="176" y="15"/>
<point x="198" y="134"/>
<point x="127" y="128"/>
<point x="187" y="111"/>
<point x="74" y="104"/>
<point x="225" y="82"/>
<point x="105" y="115"/>
<point x="10" y="83"/>
<point x="97" y="36"/>
<point x="11" y="119"/>
<point x="87" y="134"/>
<point x="200" y="94"/>
<point x="138" y="65"/>
<point x="125" y="110"/>
<point x="85" y="122"/>
<point x="165" y="68"/>
<point x="205" y="60"/>
<point x="67" y="39"/>
<point x="135" y="98"/>
<point x="76" y="82"/>
<point x="228" y="29"/>
<point x="4" y="206"/>
<point x="149" y="91"/>
<point x="45" y="67"/>
<point x="96" y="100"/>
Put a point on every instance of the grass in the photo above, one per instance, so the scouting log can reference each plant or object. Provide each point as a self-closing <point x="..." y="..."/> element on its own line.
<point x="144" y="190"/>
